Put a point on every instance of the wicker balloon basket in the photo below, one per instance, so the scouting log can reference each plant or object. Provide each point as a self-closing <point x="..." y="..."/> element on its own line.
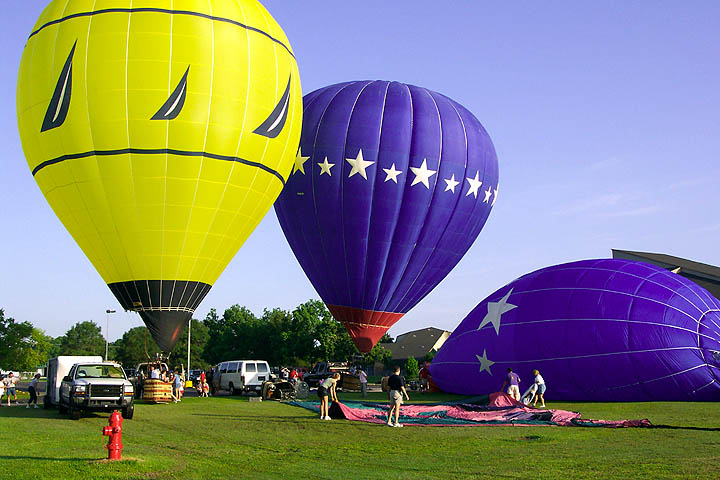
<point x="157" y="391"/>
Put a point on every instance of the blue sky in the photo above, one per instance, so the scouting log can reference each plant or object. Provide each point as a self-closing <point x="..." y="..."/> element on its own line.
<point x="604" y="116"/>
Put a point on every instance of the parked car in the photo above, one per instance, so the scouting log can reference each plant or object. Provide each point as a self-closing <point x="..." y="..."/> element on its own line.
<point x="140" y="373"/>
<point x="96" y="386"/>
<point x="194" y="375"/>
<point x="322" y="370"/>
<point x="241" y="376"/>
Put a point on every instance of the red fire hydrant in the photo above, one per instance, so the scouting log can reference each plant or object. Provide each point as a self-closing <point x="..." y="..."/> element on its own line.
<point x="114" y="431"/>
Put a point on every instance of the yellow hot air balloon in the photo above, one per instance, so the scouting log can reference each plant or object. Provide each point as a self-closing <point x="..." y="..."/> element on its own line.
<point x="160" y="132"/>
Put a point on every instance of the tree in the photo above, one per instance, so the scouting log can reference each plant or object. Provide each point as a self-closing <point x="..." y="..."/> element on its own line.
<point x="83" y="338"/>
<point x="379" y="354"/>
<point x="55" y="344"/>
<point x="136" y="345"/>
<point x="22" y="346"/>
<point x="429" y="356"/>
<point x="386" y="338"/>
<point x="411" y="368"/>
<point x="230" y="336"/>
<point x="307" y="334"/>
<point x="198" y="340"/>
<point x="132" y="347"/>
<point x="305" y="321"/>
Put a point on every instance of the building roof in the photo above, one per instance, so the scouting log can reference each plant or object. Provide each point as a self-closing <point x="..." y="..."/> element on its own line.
<point x="707" y="276"/>
<point x="417" y="343"/>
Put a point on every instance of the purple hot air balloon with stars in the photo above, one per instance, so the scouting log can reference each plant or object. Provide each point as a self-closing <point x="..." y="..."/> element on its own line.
<point x="597" y="330"/>
<point x="391" y="186"/>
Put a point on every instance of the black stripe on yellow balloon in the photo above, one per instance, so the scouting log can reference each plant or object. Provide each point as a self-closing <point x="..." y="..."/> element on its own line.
<point x="141" y="295"/>
<point x="60" y="101"/>
<point x="174" y="104"/>
<point x="165" y="306"/>
<point x="166" y="11"/>
<point x="274" y="124"/>
<point x="156" y="151"/>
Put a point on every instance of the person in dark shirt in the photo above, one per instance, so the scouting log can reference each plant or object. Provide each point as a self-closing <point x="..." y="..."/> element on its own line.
<point x="397" y="390"/>
<point x="513" y="382"/>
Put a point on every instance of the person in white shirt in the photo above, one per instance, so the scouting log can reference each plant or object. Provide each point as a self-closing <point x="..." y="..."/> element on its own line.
<point x="540" y="382"/>
<point x="10" y="384"/>
<point x="363" y="382"/>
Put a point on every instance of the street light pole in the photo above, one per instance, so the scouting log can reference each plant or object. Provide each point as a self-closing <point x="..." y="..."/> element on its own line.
<point x="107" y="330"/>
<point x="187" y="375"/>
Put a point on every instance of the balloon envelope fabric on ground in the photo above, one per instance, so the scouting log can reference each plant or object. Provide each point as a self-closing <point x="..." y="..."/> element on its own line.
<point x="391" y="186"/>
<point x="597" y="330"/>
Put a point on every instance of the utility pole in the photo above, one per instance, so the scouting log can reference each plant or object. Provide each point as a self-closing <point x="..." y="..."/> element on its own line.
<point x="187" y="375"/>
<point x="107" y="330"/>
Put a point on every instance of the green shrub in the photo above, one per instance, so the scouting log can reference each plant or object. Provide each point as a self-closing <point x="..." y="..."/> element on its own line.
<point x="411" y="368"/>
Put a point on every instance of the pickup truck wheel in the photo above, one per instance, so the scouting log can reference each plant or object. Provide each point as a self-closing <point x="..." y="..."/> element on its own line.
<point x="128" y="412"/>
<point x="74" y="413"/>
<point x="62" y="408"/>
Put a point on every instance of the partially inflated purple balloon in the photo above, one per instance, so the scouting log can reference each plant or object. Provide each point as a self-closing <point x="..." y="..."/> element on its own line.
<point x="391" y="187"/>
<point x="604" y="330"/>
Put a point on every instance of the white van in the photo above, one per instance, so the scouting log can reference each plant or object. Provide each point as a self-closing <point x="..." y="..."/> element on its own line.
<point x="241" y="375"/>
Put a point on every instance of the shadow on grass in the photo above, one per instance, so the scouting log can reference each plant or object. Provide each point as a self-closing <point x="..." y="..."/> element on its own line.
<point x="676" y="427"/>
<point x="53" y="459"/>
<point x="52" y="414"/>
<point x="252" y="418"/>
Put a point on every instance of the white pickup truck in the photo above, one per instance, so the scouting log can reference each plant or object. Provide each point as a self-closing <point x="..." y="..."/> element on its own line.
<point x="96" y="386"/>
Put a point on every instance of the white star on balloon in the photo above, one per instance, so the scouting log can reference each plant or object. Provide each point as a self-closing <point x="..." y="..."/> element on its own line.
<point x="488" y="192"/>
<point x="451" y="183"/>
<point x="392" y="174"/>
<point x="485" y="363"/>
<point x="422" y="174"/>
<point x="474" y="185"/>
<point x="359" y="165"/>
<point x="325" y="167"/>
<point x="495" y="196"/>
<point x="495" y="311"/>
<point x="300" y="162"/>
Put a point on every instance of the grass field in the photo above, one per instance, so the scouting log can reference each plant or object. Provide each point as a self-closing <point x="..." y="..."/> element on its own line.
<point x="229" y="437"/>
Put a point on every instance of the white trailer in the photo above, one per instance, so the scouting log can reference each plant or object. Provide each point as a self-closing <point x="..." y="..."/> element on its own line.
<point x="57" y="368"/>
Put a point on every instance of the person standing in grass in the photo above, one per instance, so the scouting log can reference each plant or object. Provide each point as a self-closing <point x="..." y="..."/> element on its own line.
<point x="2" y="388"/>
<point x="177" y="386"/>
<point x="540" y="382"/>
<point x="424" y="378"/>
<point x="33" y="391"/>
<point x="513" y="382"/>
<point x="397" y="390"/>
<point x="327" y="389"/>
<point x="363" y="381"/>
<point x="10" y="384"/>
<point x="205" y="389"/>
